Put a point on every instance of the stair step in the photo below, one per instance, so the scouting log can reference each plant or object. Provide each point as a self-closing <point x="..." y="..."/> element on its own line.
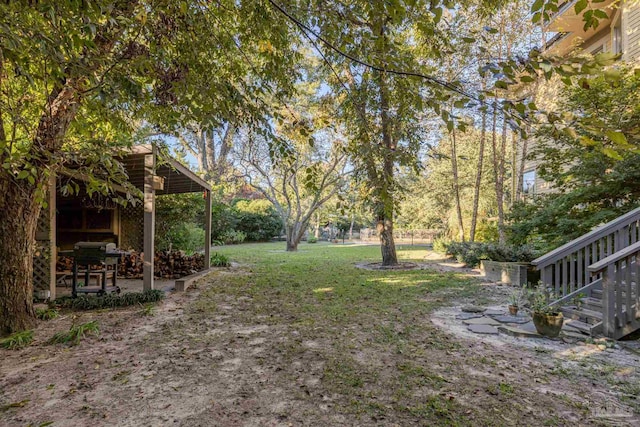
<point x="597" y="293"/>
<point x="583" y="327"/>
<point x="592" y="303"/>
<point x="583" y="314"/>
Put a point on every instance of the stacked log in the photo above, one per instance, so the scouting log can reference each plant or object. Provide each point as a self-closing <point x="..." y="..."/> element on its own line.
<point x="176" y="264"/>
<point x="167" y="264"/>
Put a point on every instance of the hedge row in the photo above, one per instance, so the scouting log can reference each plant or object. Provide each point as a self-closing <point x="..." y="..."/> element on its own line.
<point x="110" y="300"/>
<point x="471" y="253"/>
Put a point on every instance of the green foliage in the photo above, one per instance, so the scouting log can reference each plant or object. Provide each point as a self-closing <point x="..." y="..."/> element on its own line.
<point x="17" y="340"/>
<point x="76" y="333"/>
<point x="539" y="300"/>
<point x="257" y="219"/>
<point x="233" y="237"/>
<point x="111" y="300"/>
<point x="219" y="260"/>
<point x="429" y="203"/>
<point x="47" y="313"/>
<point x="487" y="231"/>
<point x="519" y="296"/>
<point x="312" y="239"/>
<point x="180" y="222"/>
<point x="148" y="310"/>
<point x="471" y="253"/>
<point x="441" y="245"/>
<point x="593" y="186"/>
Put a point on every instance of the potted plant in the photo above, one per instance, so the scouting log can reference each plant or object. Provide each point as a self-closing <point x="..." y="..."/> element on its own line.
<point x="516" y="300"/>
<point x="547" y="319"/>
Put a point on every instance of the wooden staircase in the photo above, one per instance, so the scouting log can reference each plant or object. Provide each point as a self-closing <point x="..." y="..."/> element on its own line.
<point x="595" y="278"/>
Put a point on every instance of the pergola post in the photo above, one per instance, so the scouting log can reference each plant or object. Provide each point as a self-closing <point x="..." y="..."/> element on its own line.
<point x="207" y="229"/>
<point x="53" y="251"/>
<point x="149" y="218"/>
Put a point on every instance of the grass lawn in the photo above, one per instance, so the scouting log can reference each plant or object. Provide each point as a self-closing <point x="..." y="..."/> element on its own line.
<point x="320" y="286"/>
<point x="353" y="319"/>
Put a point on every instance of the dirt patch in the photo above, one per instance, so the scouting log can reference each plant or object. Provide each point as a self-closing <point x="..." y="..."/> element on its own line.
<point x="377" y="266"/>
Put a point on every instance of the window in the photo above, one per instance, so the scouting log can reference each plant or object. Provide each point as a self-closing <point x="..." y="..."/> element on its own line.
<point x="529" y="182"/>
<point x="616" y="35"/>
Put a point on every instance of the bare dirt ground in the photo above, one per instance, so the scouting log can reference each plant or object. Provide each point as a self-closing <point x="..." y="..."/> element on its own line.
<point x="215" y="358"/>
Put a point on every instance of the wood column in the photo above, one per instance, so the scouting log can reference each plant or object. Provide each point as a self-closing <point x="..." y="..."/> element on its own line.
<point x="149" y="218"/>
<point x="53" y="245"/>
<point x="207" y="230"/>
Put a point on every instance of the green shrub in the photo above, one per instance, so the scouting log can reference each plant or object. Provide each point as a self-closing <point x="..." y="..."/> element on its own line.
<point x="312" y="239"/>
<point x="232" y="237"/>
<point x="471" y="253"/>
<point x="111" y="300"/>
<point x="187" y="237"/>
<point x="219" y="260"/>
<point x="47" y="313"/>
<point x="17" y="340"/>
<point x="257" y="219"/>
<point x="76" y="333"/>
<point x="148" y="309"/>
<point x="180" y="222"/>
<point x="440" y="245"/>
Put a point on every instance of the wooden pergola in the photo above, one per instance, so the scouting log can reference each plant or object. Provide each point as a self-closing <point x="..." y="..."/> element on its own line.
<point x="154" y="175"/>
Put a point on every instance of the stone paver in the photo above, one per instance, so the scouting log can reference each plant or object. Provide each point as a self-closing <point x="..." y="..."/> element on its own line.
<point x="511" y="319"/>
<point x="518" y="332"/>
<point x="494" y="312"/>
<point x="481" y="321"/>
<point x="473" y="309"/>
<point x="529" y="326"/>
<point x="467" y="316"/>
<point x="483" y="329"/>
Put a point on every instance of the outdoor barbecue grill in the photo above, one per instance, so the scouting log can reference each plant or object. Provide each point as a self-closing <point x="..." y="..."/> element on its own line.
<point x="93" y="259"/>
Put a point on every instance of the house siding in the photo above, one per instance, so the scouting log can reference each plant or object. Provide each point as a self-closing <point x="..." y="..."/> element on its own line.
<point x="631" y="30"/>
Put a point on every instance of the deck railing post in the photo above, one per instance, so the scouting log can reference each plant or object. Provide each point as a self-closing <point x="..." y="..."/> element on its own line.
<point x="608" y="301"/>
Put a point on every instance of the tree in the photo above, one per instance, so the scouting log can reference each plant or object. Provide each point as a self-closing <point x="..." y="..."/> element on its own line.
<point x="383" y="110"/>
<point x="210" y="147"/>
<point x="74" y="76"/>
<point x="298" y="181"/>
<point x="593" y="166"/>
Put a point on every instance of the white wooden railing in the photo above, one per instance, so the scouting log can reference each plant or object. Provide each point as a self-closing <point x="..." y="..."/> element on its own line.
<point x="620" y="291"/>
<point x="566" y="269"/>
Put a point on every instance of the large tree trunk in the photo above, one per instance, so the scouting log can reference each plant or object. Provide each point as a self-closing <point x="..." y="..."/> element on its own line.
<point x="20" y="208"/>
<point x="456" y="184"/>
<point x="19" y="213"/>
<point x="500" y="184"/>
<point x="295" y="233"/>
<point x="316" y="232"/>
<point x="476" y="190"/>
<point x="353" y="220"/>
<point x="387" y="245"/>
<point x="386" y="208"/>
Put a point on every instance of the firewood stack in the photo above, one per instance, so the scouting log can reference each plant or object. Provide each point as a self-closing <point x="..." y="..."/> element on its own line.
<point x="175" y="264"/>
<point x="64" y="263"/>
<point x="168" y="265"/>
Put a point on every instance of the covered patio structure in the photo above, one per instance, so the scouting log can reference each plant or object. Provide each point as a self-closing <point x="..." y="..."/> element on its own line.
<point x="67" y="220"/>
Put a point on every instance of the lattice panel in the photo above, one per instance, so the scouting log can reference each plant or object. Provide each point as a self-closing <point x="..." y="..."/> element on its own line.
<point x="132" y="227"/>
<point x="41" y="266"/>
<point x="42" y="256"/>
